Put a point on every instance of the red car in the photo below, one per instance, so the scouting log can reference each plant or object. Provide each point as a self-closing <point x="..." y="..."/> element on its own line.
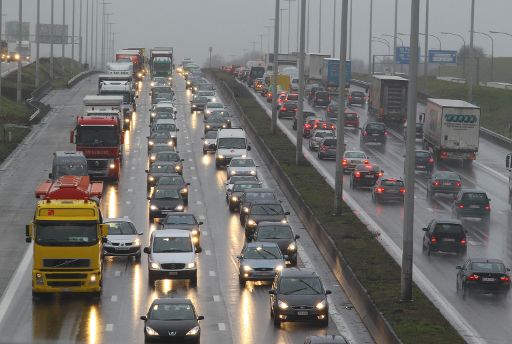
<point x="351" y="119"/>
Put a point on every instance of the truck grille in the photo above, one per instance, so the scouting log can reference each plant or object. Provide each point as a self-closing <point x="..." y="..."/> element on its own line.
<point x="66" y="276"/>
<point x="64" y="283"/>
<point x="97" y="164"/>
<point x="66" y="263"/>
<point x="173" y="266"/>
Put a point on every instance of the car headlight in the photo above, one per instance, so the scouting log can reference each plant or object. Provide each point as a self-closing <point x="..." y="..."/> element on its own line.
<point x="251" y="222"/>
<point x="92" y="278"/>
<point x="195" y="88"/>
<point x="153" y="207"/>
<point x="247" y="268"/>
<point x="253" y="173"/>
<point x="188" y="82"/>
<point x="151" y="143"/>
<point x="194" y="331"/>
<point x="139" y="75"/>
<point x="112" y="166"/>
<point x="184" y="190"/>
<point x="208" y="126"/>
<point x="321" y="305"/>
<point x="279" y="268"/>
<point x="179" y="207"/>
<point x="127" y="120"/>
<point x="220" y="156"/>
<point x="292" y="247"/>
<point x="151" y="178"/>
<point x="136" y="242"/>
<point x="205" y="142"/>
<point x="151" y="332"/>
<point x="214" y="99"/>
<point x="177" y="167"/>
<point x="170" y="143"/>
<point x="152" y="157"/>
<point x="234" y="199"/>
<point x="284" y="221"/>
<point x="282" y="304"/>
<point x="152" y="83"/>
<point x="191" y="265"/>
<point x="153" y="114"/>
<point x="245" y="209"/>
<point x="232" y="173"/>
<point x="155" y="265"/>
<point x="224" y="126"/>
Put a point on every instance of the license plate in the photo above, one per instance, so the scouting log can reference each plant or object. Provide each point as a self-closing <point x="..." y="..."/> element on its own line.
<point x="368" y="176"/>
<point x="420" y="166"/>
<point x="122" y="248"/>
<point x="488" y="279"/>
<point x="449" y="240"/>
<point x="473" y="206"/>
<point x="302" y="313"/>
<point x="448" y="183"/>
<point x="172" y="273"/>
<point x="375" y="134"/>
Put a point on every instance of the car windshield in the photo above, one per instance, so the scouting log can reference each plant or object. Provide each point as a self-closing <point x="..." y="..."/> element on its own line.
<point x="488" y="267"/>
<point x="350" y="116"/>
<point x="293" y="97"/>
<point x="323" y="133"/>
<point x="201" y="100"/>
<point x="262" y="252"/>
<point x="160" y="135"/>
<point x="171" y="311"/>
<point x="121" y="228"/>
<point x="357" y="94"/>
<point x="164" y="115"/>
<point x="243" y="186"/>
<point x="475" y="196"/>
<point x="448" y="228"/>
<point x="231" y="143"/>
<point x="163" y="244"/>
<point x="375" y="126"/>
<point x="215" y="105"/>
<point x="168" y="156"/>
<point x="222" y="113"/>
<point x="421" y="154"/>
<point x="210" y="135"/>
<point x="275" y="232"/>
<point x="267" y="209"/>
<point x="171" y="180"/>
<point x="392" y="182"/>
<point x="257" y="196"/>
<point x="186" y="219"/>
<point x="70" y="169"/>
<point x="106" y="136"/>
<point x="329" y="142"/>
<point x="242" y="163"/>
<point x="165" y="127"/>
<point x="157" y="168"/>
<point x="66" y="233"/>
<point x="236" y="179"/>
<point x="355" y="155"/>
<point x="301" y="286"/>
<point x="215" y="119"/>
<point x="167" y="194"/>
<point x="207" y="93"/>
<point x="446" y="175"/>
<point x="366" y="167"/>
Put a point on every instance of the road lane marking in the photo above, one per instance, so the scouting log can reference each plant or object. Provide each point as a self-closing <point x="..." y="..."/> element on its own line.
<point x="201" y="217"/>
<point x="195" y="178"/>
<point x="117" y="273"/>
<point x="109" y="327"/>
<point x="222" y="327"/>
<point x="212" y="273"/>
<point x="208" y="252"/>
<point x="192" y="168"/>
<point x="113" y="298"/>
<point x="205" y="233"/>
<point x="216" y="298"/>
<point x="199" y="202"/>
<point x="130" y="190"/>
<point x="128" y="202"/>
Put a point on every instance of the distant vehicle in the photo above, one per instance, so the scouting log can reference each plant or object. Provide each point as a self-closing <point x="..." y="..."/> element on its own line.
<point x="281" y="234"/>
<point x="483" y="275"/>
<point x="444" y="182"/>
<point x="353" y="158"/>
<point x="252" y="195"/>
<point x="365" y="175"/>
<point x="242" y="167"/>
<point x="327" y="148"/>
<point x="164" y="199"/>
<point x="321" y="99"/>
<point x="423" y="161"/>
<point x="68" y="164"/>
<point x="446" y="236"/>
<point x="210" y="138"/>
<point x="288" y="110"/>
<point x="388" y="98"/>
<point x="177" y="313"/>
<point x="374" y="132"/>
<point x="317" y="136"/>
<point x="472" y="203"/>
<point x="388" y="189"/>
<point x="356" y="97"/>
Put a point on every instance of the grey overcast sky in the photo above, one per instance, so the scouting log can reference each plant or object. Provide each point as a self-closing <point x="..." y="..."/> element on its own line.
<point x="229" y="26"/>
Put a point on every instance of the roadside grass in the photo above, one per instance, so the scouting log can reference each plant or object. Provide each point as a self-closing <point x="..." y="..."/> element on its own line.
<point x="17" y="134"/>
<point x="13" y="112"/>
<point x="418" y="322"/>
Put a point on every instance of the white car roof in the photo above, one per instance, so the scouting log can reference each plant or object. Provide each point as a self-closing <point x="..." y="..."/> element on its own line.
<point x="180" y="233"/>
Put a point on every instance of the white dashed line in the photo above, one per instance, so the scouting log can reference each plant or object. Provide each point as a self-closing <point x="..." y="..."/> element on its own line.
<point x="130" y="190"/>
<point x="199" y="202"/>
<point x="113" y="298"/>
<point x="133" y="168"/>
<point x="212" y="274"/>
<point x="216" y="298"/>
<point x="195" y="178"/>
<point x="201" y="217"/>
<point x="222" y="327"/>
<point x="208" y="252"/>
<point x="204" y="233"/>
<point x="190" y="160"/>
<point x="192" y="168"/>
<point x="109" y="327"/>
<point x="128" y="202"/>
<point x="132" y="178"/>
<point x="117" y="273"/>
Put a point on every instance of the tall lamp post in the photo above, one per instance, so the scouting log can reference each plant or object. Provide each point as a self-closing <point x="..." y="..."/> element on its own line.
<point x="281" y="28"/>
<point x="273" y="122"/>
<point x="289" y="20"/>
<point x="370" y="71"/>
<point x="464" y="45"/>
<point x="20" y="37"/>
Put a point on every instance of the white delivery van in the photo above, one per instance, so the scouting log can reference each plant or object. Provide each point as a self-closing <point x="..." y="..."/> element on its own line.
<point x="231" y="143"/>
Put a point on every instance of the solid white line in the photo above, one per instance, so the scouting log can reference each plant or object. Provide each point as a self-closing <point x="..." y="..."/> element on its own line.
<point x="113" y="298"/>
<point x="14" y="283"/>
<point x="208" y="252"/>
<point x="222" y="327"/>
<point x="109" y="327"/>
<point x="204" y="233"/>
<point x="212" y="273"/>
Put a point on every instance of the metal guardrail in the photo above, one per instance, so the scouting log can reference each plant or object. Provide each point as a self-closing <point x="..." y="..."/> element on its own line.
<point x="72" y="82"/>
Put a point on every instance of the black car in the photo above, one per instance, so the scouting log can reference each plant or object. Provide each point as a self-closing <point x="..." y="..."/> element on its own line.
<point x="388" y="189"/>
<point x="288" y="110"/>
<point x="171" y="157"/>
<point x="321" y="99"/>
<point x="160" y="137"/>
<point x="157" y="148"/>
<point x="444" y="182"/>
<point x="263" y="211"/>
<point x="215" y="122"/>
<point x="327" y="148"/>
<point x="374" y="132"/>
<point x="198" y="104"/>
<point x="185" y="221"/>
<point x="327" y="339"/>
<point x="233" y="195"/>
<point x="165" y="199"/>
<point x="307" y="115"/>
<point x="280" y="233"/>
<point x="176" y="180"/>
<point x="423" y="161"/>
<point x="158" y="170"/>
<point x="356" y="97"/>
<point x="254" y="195"/>
<point x="419" y="131"/>
<point x="483" y="275"/>
<point x="173" y="320"/>
<point x="225" y="114"/>
<point x="472" y="203"/>
<point x="445" y="236"/>
<point x="313" y="92"/>
<point x="365" y="175"/>
<point x="298" y="295"/>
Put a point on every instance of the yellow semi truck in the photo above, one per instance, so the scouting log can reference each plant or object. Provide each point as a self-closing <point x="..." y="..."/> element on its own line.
<point x="68" y="236"/>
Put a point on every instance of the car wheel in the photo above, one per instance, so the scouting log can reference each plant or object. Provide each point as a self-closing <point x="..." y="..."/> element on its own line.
<point x="242" y="282"/>
<point x="277" y="321"/>
<point x="324" y="322"/>
<point x="231" y="207"/>
<point x="429" y="251"/>
<point x="423" y="248"/>
<point x="457" y="288"/>
<point x="204" y="152"/>
<point x="193" y="281"/>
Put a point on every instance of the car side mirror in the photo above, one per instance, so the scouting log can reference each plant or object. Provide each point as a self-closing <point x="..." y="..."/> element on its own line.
<point x="200" y="317"/>
<point x="297" y="236"/>
<point x="50" y="175"/>
<point x="458" y="267"/>
<point x="148" y="198"/>
<point x="200" y="223"/>
<point x="182" y="160"/>
<point x="272" y="292"/>
<point x="146" y="250"/>
<point x="248" y="147"/>
<point x="143" y="317"/>
<point x="140" y="233"/>
<point x="287" y="213"/>
<point x="424" y="229"/>
<point x="199" y="249"/>
<point x="508" y="269"/>
<point x="328" y="292"/>
<point x="147" y="171"/>
<point x="239" y="257"/>
<point x="188" y="184"/>
<point x="202" y="138"/>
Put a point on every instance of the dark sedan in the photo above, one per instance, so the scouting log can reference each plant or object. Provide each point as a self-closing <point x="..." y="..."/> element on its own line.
<point x="327" y="148"/>
<point x="185" y="221"/>
<point x="198" y="104"/>
<point x="172" y="157"/>
<point x="288" y="110"/>
<point x="280" y="233"/>
<point x="173" y="320"/>
<point x="263" y="211"/>
<point x="307" y="115"/>
<point x="158" y="170"/>
<point x="444" y="182"/>
<point x="225" y="114"/>
<point x="157" y="148"/>
<point x="298" y="295"/>
<point x="482" y="275"/>
<point x="374" y="132"/>
<point x="356" y="97"/>
<point x="419" y="131"/>
<point x="165" y="200"/>
<point x="321" y="99"/>
<point x="176" y="180"/>
<point x="365" y="175"/>
<point x="160" y="137"/>
<point x="424" y="161"/>
<point x="388" y="189"/>
<point x="233" y="195"/>
<point x="215" y="122"/>
<point x="254" y="195"/>
<point x="445" y="236"/>
<point x="472" y="203"/>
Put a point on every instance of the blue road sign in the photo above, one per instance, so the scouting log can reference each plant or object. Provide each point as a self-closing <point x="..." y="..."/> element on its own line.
<point x="402" y="55"/>
<point x="442" y="56"/>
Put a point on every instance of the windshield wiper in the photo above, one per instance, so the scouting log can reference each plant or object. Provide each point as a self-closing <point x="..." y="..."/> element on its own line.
<point x="294" y="291"/>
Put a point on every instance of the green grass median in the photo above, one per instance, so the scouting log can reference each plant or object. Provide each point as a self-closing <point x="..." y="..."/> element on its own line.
<point x="418" y="322"/>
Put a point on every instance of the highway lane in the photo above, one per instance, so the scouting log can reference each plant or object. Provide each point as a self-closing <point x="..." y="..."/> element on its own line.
<point x="494" y="240"/>
<point x="232" y="315"/>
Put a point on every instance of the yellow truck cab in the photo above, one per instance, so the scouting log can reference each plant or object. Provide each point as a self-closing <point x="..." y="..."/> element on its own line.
<point x="68" y="236"/>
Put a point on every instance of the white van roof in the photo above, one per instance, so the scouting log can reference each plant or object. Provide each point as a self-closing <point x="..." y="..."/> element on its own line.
<point x="233" y="132"/>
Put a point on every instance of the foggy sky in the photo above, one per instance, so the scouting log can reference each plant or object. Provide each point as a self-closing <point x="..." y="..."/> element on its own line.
<point x="229" y="26"/>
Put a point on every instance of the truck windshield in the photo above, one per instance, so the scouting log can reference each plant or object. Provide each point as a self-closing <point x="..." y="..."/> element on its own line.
<point x="66" y="233"/>
<point x="232" y="143"/>
<point x="97" y="136"/>
<point x="70" y="169"/>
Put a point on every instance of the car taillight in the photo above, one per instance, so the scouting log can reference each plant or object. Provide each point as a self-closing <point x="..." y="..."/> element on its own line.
<point x="431" y="161"/>
<point x="458" y="184"/>
<point x="461" y="206"/>
<point x="444" y="155"/>
<point x="357" y="174"/>
<point x="344" y="162"/>
<point x="381" y="174"/>
<point x="402" y="190"/>
<point x="296" y="110"/>
<point x="487" y="207"/>
<point x="365" y="133"/>
<point x="433" y="240"/>
<point x="463" y="242"/>
<point x="366" y="162"/>
<point x="505" y="279"/>
<point x="473" y="277"/>
<point x="307" y="126"/>
<point x="379" y="189"/>
<point x="436" y="183"/>
<point x="349" y="97"/>
<point x="283" y="108"/>
<point x="386" y="133"/>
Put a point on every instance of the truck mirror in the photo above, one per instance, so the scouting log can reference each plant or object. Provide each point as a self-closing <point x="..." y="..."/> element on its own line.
<point x="508" y="162"/>
<point x="122" y="139"/>
<point x="104" y="230"/>
<point x="72" y="136"/>
<point x="50" y="175"/>
<point x="28" y="233"/>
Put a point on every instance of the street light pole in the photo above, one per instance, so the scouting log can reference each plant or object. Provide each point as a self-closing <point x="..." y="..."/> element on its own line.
<point x="96" y="37"/>
<point x="307" y="25"/>
<point x="289" y="22"/>
<point x="38" y="17"/>
<point x="273" y="122"/>
<point x="425" y="63"/>
<point x="334" y="29"/>
<point x="471" y="53"/>
<point x="465" y="52"/>
<point x="350" y="41"/>
<point x="73" y="31"/>
<point x="20" y="36"/>
<point x="395" y="37"/>
<point x="281" y="28"/>
<point x="408" y="224"/>
<point x="302" y="57"/>
<point x="340" y="124"/>
<point x="80" y="35"/>
<point x="51" y="39"/>
<point x="370" y="71"/>
<point x="63" y="23"/>
<point x="1" y="15"/>
<point x="320" y="28"/>
<point x="86" y="31"/>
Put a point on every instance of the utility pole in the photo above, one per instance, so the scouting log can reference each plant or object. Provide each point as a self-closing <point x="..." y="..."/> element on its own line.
<point x="51" y="39"/>
<point x="86" y="31"/>
<point x="38" y="18"/>
<point x="395" y="37"/>
<point x="1" y="16"/>
<point x="273" y="122"/>
<point x="80" y="35"/>
<point x="96" y="37"/>
<point x="261" y="45"/>
<point x="20" y="36"/>
<point x="73" y="31"/>
<point x="425" y="63"/>
<point x="370" y="71"/>
<point x="492" y="52"/>
<point x="307" y="25"/>
<point x="350" y="24"/>
<point x="340" y="124"/>
<point x="63" y="23"/>
<point x="281" y="29"/>
<point x="92" y="33"/>
<point x="471" y="54"/>
<point x="320" y="28"/>
<point x="210" y="49"/>
<point x="333" y="55"/>
<point x="408" y="224"/>
<point x="302" y="57"/>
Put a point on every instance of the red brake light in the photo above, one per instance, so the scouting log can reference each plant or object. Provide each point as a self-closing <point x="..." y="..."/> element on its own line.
<point x="505" y="279"/>
<point x="381" y="174"/>
<point x="487" y="207"/>
<point x="380" y="189"/>
<point x="386" y="133"/>
<point x="357" y="174"/>
<point x="458" y="183"/>
<point x="444" y="155"/>
<point x="431" y="160"/>
<point x="283" y="108"/>
<point x="436" y="183"/>
<point x="463" y="242"/>
<point x="349" y="97"/>
<point x="307" y="125"/>
<point x="366" y="162"/>
<point x="473" y="277"/>
<point x="433" y="240"/>
<point x="365" y="133"/>
<point x="461" y="206"/>
<point x="402" y="190"/>
<point x="344" y="162"/>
